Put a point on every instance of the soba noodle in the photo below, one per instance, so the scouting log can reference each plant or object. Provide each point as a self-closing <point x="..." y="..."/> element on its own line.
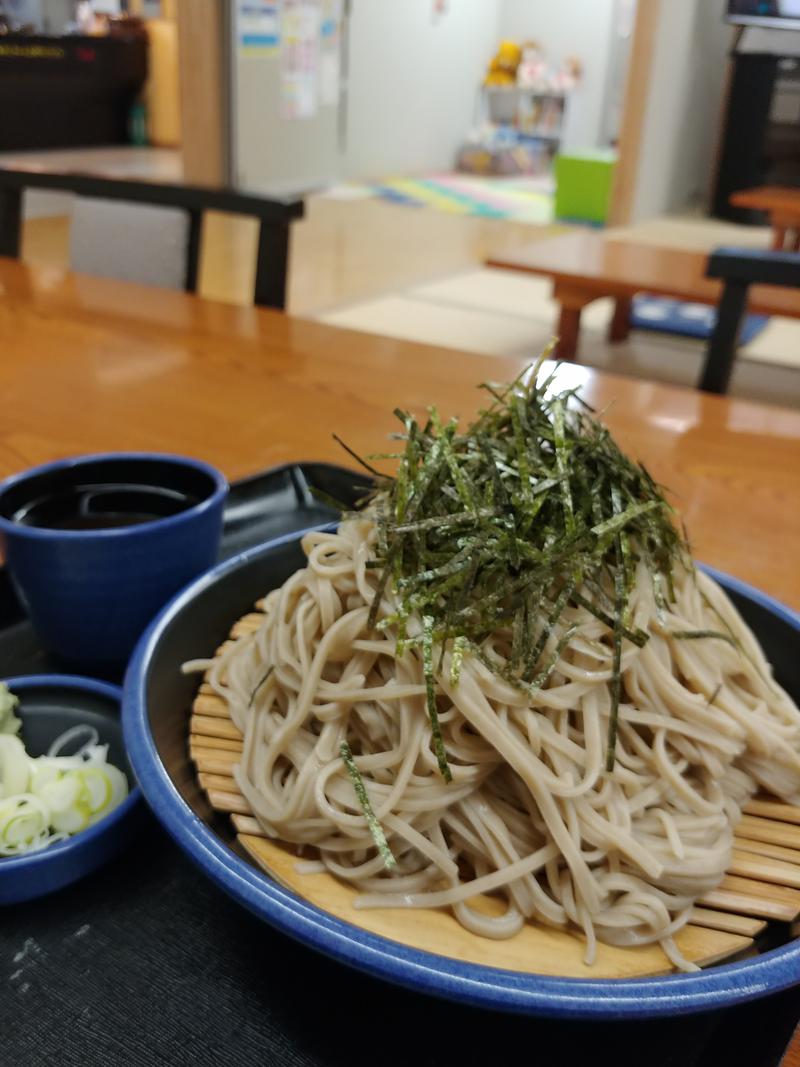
<point x="531" y="814"/>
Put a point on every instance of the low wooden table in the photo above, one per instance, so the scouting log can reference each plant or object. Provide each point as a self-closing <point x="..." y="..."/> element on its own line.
<point x="90" y="364"/>
<point x="782" y="204"/>
<point x="587" y="266"/>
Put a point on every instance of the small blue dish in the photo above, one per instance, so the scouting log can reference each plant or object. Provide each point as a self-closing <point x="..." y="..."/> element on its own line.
<point x="156" y="706"/>
<point x="97" y="544"/>
<point x="49" y="704"/>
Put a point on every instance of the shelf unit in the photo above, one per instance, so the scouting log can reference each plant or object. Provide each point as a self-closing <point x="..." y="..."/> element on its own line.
<point x="536" y="113"/>
<point x="523" y="90"/>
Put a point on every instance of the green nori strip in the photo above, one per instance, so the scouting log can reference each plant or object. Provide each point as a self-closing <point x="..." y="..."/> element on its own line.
<point x="360" y="460"/>
<point x="331" y="501"/>
<point x="382" y="582"/>
<point x="696" y="635"/>
<point x="616" y="668"/>
<point x="430" y="691"/>
<point x="258" y="685"/>
<point x="375" y="828"/>
<point x="547" y="629"/>
<point x="636" y="637"/>
<point x="562" y="465"/>
<point x="456" y="659"/>
<point x="549" y="667"/>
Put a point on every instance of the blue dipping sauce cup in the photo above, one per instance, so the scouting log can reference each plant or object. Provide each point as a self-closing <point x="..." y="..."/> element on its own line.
<point x="90" y="592"/>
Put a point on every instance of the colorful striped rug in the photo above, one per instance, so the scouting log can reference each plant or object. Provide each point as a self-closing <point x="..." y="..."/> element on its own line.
<point x="528" y="200"/>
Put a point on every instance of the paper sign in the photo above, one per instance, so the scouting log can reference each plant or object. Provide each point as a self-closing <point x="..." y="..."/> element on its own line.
<point x="300" y="31"/>
<point x="331" y="20"/>
<point x="258" y="27"/>
<point x="330" y="51"/>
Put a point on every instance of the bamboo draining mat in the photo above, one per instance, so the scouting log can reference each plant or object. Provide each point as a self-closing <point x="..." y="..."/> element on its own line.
<point x="762" y="884"/>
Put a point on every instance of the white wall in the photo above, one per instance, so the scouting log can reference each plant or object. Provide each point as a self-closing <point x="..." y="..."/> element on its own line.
<point x="782" y="42"/>
<point x="414" y="85"/>
<point x="619" y="58"/>
<point x="414" y="79"/>
<point x="23" y="12"/>
<point x="48" y="16"/>
<point x="684" y="105"/>
<point x="56" y="14"/>
<point x="582" y="28"/>
<point x="413" y="82"/>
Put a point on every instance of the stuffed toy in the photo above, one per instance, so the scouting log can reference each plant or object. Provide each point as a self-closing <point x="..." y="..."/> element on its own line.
<point x="532" y="70"/>
<point x="503" y="67"/>
<point x="569" y="75"/>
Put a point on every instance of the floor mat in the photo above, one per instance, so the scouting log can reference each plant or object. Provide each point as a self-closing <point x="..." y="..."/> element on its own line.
<point x="528" y="200"/>
<point x="663" y="315"/>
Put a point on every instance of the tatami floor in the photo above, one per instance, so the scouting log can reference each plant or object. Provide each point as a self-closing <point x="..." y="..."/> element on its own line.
<point x="417" y="273"/>
<point x="505" y="313"/>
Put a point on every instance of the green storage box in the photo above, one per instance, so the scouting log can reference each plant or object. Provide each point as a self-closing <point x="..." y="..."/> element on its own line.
<point x="583" y="184"/>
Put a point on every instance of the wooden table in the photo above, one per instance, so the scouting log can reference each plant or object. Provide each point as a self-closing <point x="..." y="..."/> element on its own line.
<point x="587" y="266"/>
<point x="782" y="204"/>
<point x="89" y="364"/>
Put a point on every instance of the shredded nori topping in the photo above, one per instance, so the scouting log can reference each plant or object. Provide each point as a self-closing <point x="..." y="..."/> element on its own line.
<point x="531" y="510"/>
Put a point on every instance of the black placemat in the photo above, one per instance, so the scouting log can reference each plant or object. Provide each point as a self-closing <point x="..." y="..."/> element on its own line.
<point x="147" y="963"/>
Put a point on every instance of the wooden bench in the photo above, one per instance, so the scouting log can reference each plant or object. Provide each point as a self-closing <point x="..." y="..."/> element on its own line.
<point x="586" y="266"/>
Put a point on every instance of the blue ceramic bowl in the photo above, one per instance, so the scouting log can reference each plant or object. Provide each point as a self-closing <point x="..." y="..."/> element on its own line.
<point x="90" y="592"/>
<point x="49" y="705"/>
<point x="156" y="704"/>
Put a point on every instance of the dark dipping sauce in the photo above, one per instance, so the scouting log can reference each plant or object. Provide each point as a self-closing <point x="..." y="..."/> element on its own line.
<point x="103" y="506"/>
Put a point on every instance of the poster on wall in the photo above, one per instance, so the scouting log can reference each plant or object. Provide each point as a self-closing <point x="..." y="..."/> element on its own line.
<point x="330" y="52"/>
<point x="300" y="48"/>
<point x="258" y="27"/>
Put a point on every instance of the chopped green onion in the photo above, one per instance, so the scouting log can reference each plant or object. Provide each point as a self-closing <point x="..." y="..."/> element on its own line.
<point x="9" y="722"/>
<point x="49" y="798"/>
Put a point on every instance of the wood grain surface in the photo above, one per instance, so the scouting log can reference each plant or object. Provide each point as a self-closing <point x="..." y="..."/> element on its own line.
<point x="593" y="266"/>
<point x="781" y="199"/>
<point x="89" y="364"/>
<point x="792" y="1057"/>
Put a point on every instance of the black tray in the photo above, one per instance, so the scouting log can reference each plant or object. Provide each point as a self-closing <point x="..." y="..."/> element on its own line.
<point x="147" y="963"/>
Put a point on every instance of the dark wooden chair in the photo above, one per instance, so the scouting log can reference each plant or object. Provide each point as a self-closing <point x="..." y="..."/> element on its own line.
<point x="274" y="218"/>
<point x="739" y="268"/>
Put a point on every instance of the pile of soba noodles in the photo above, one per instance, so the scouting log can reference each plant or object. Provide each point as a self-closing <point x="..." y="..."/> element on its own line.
<point x="504" y="676"/>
